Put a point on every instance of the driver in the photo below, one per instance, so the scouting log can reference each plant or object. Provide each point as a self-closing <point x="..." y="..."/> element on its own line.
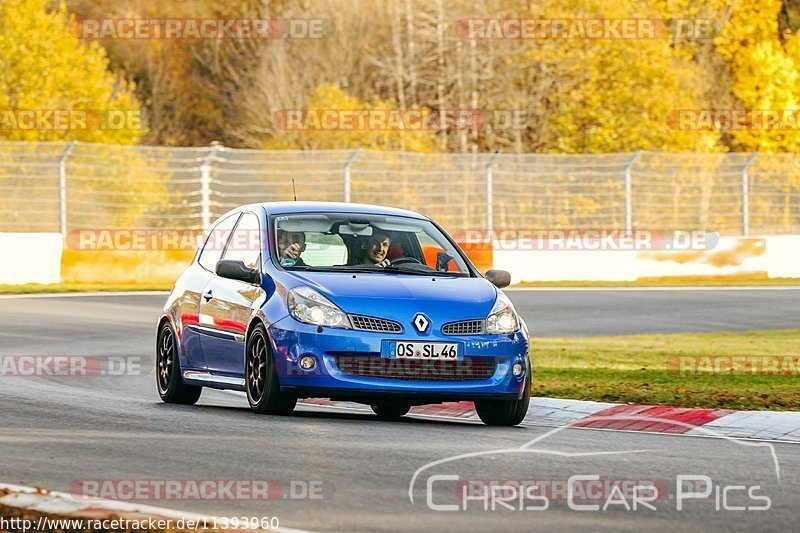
<point x="290" y="245"/>
<point x="377" y="247"/>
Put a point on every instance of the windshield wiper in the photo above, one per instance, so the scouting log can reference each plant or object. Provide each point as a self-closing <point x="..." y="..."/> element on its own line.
<point x="366" y="269"/>
<point x="411" y="270"/>
<point x="375" y="269"/>
<point x="407" y="270"/>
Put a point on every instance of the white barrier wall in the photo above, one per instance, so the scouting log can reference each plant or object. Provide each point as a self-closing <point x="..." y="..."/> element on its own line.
<point x="36" y="258"/>
<point x="774" y="257"/>
<point x="30" y="258"/>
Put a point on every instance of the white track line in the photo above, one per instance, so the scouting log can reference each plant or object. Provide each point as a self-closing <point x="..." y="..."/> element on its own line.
<point x="81" y="294"/>
<point x="677" y="288"/>
<point x="52" y="502"/>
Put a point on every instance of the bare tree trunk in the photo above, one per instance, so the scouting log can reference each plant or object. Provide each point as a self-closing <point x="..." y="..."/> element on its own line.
<point x="461" y="131"/>
<point x="399" y="70"/>
<point x="412" y="67"/>
<point x="473" y="69"/>
<point x="442" y="74"/>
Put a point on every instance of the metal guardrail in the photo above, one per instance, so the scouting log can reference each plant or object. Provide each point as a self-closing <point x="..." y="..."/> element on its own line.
<point x="65" y="186"/>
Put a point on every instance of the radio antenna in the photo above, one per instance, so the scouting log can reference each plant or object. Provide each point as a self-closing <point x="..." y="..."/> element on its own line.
<point x="294" y="190"/>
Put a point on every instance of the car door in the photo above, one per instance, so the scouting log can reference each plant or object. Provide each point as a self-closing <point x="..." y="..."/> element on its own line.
<point x="190" y="286"/>
<point x="226" y="304"/>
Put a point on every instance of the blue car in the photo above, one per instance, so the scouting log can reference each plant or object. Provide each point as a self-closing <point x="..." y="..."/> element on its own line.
<point x="360" y="303"/>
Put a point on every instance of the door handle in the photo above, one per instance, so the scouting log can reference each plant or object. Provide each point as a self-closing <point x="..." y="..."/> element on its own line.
<point x="208" y="295"/>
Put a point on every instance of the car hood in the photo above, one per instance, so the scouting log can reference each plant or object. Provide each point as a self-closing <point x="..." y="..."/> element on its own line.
<point x="400" y="297"/>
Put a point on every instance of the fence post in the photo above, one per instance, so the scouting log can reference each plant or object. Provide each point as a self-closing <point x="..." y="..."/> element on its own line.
<point x="629" y="193"/>
<point x="62" y="189"/>
<point x="205" y="184"/>
<point x="489" y="177"/>
<point x="346" y="173"/>
<point x="746" y="194"/>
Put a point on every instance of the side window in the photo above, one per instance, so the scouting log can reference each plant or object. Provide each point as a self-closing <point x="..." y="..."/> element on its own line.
<point x="245" y="244"/>
<point x="215" y="242"/>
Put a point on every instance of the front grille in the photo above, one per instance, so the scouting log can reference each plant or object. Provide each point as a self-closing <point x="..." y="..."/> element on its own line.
<point x="469" y="369"/>
<point x="465" y="327"/>
<point x="368" y="323"/>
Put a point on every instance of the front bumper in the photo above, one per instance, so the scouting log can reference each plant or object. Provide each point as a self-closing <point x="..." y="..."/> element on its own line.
<point x="292" y="340"/>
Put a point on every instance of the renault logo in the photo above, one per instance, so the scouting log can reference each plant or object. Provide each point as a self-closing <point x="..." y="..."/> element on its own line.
<point x="421" y="322"/>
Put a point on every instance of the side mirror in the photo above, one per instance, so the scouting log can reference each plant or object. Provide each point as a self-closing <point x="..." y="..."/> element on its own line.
<point x="236" y="270"/>
<point x="499" y="278"/>
<point x="442" y="260"/>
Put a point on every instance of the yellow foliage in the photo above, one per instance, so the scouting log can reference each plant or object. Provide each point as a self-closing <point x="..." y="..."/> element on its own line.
<point x="46" y="67"/>
<point x="329" y="97"/>
<point x="765" y="74"/>
<point x="617" y="94"/>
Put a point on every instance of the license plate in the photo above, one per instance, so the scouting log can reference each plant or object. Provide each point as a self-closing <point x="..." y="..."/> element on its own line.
<point x="447" y="351"/>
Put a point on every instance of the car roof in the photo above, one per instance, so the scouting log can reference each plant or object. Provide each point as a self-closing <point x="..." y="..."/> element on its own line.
<point x="281" y="208"/>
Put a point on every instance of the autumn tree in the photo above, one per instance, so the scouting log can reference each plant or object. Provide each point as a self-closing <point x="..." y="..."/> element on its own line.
<point x="45" y="67"/>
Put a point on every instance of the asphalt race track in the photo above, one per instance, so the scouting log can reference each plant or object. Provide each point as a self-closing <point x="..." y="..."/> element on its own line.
<point x="339" y="470"/>
<point x="578" y="313"/>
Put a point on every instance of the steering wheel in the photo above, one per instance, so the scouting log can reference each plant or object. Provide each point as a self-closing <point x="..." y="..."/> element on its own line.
<point x="404" y="261"/>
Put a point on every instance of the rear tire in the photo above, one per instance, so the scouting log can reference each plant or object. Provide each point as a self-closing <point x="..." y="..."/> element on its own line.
<point x="391" y="411"/>
<point x="261" y="379"/>
<point x="505" y="412"/>
<point x="171" y="387"/>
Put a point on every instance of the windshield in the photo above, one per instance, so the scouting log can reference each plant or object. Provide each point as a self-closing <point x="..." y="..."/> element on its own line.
<point x="350" y="242"/>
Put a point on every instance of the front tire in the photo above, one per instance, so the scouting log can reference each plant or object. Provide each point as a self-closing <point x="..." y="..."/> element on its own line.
<point x="171" y="387"/>
<point x="261" y="378"/>
<point x="505" y="412"/>
<point x="391" y="411"/>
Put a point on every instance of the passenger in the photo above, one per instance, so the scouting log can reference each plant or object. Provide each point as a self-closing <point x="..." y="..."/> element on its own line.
<point x="290" y="245"/>
<point x="377" y="246"/>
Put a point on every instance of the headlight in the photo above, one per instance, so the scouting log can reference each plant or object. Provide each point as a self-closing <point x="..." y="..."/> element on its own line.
<point x="309" y="306"/>
<point x="502" y="318"/>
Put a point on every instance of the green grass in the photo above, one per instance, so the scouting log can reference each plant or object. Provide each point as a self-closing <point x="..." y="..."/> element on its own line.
<point x="634" y="369"/>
